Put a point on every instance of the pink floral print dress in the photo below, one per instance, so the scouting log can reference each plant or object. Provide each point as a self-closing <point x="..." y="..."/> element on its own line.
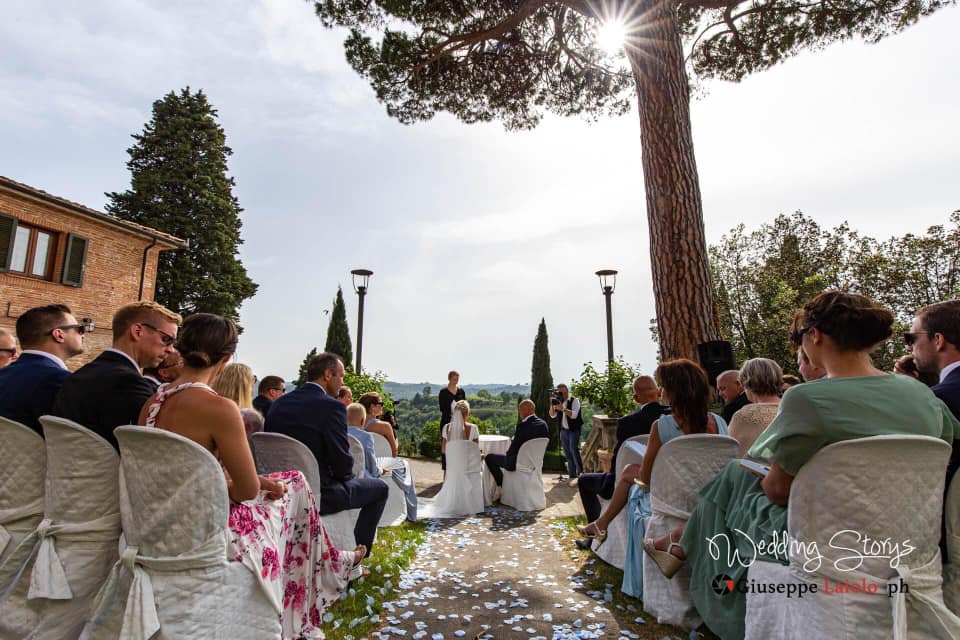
<point x="283" y="542"/>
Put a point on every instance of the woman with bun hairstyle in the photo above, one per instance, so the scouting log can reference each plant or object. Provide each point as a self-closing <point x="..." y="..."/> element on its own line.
<point x="274" y="523"/>
<point x="837" y="331"/>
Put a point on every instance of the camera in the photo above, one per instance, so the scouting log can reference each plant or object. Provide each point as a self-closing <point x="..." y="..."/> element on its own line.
<point x="555" y="398"/>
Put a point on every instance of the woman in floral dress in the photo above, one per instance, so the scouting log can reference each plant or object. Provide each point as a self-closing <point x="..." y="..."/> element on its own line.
<point x="274" y="522"/>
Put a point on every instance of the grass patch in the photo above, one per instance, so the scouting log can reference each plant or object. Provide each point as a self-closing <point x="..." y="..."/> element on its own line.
<point x="600" y="576"/>
<point x="359" y="613"/>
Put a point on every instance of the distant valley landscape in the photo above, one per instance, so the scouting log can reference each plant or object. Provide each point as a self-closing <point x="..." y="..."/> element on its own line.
<point x="406" y="390"/>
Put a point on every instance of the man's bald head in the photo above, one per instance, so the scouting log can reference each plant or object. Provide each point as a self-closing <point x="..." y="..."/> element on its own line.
<point x="728" y="385"/>
<point x="645" y="390"/>
<point x="526" y="408"/>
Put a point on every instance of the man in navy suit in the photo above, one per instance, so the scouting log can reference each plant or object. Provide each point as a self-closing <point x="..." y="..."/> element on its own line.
<point x="934" y="341"/>
<point x="49" y="335"/>
<point x="592" y="485"/>
<point x="529" y="428"/>
<point x="110" y="391"/>
<point x="313" y="415"/>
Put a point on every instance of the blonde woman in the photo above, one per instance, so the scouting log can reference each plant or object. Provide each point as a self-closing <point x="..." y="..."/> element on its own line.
<point x="235" y="383"/>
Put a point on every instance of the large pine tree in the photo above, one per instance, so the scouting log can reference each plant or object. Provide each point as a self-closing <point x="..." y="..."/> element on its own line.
<point x="338" y="333"/>
<point x="541" y="380"/>
<point x="179" y="184"/>
<point x="302" y="374"/>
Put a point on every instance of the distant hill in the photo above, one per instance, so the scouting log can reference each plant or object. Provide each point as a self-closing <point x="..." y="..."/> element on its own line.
<point x="406" y="390"/>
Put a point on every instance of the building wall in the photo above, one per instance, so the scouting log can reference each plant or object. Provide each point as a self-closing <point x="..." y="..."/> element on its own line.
<point x="111" y="278"/>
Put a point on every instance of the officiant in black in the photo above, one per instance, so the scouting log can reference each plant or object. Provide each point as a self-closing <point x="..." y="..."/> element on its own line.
<point x="449" y="396"/>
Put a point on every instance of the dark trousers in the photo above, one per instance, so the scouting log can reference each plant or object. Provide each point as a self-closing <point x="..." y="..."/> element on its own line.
<point x="496" y="462"/>
<point x="571" y="451"/>
<point x="367" y="494"/>
<point x="592" y="487"/>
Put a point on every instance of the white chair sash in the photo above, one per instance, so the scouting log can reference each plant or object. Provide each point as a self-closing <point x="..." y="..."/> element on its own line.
<point x="10" y="517"/>
<point x="48" y="580"/>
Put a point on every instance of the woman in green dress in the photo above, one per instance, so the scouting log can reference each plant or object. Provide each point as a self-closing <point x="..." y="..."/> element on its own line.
<point x="837" y="331"/>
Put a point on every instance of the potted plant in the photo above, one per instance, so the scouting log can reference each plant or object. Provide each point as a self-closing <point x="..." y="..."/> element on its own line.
<point x="611" y="392"/>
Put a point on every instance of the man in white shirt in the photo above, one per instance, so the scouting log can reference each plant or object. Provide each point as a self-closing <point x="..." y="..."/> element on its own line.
<point x="570" y="426"/>
<point x="49" y="335"/>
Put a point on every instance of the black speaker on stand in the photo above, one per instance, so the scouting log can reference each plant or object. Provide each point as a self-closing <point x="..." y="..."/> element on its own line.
<point x="716" y="357"/>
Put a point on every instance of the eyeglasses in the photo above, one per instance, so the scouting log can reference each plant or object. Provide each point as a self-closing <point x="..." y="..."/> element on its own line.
<point x="910" y="338"/>
<point x="280" y="389"/>
<point x="165" y="337"/>
<point x="81" y="328"/>
<point x="12" y="352"/>
<point x="796" y="336"/>
<point x="377" y="403"/>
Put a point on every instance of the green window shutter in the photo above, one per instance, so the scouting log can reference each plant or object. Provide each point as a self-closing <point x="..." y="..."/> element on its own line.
<point x="8" y="232"/>
<point x="75" y="261"/>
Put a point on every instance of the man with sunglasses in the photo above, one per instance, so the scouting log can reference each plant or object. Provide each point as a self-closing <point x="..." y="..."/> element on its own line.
<point x="110" y="391"/>
<point x="8" y="347"/>
<point x="49" y="335"/>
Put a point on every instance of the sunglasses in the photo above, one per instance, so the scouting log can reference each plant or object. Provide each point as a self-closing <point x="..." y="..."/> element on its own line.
<point x="12" y="352"/>
<point x="165" y="337"/>
<point x="910" y="338"/>
<point x="377" y="403"/>
<point x="796" y="336"/>
<point x="81" y="328"/>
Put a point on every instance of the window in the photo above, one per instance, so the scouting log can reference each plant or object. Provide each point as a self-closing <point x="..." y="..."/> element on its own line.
<point x="29" y="251"/>
<point x="74" y="261"/>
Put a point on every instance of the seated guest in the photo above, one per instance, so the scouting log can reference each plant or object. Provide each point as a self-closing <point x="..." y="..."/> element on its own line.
<point x="837" y="332"/>
<point x="235" y="383"/>
<point x="8" y="347"/>
<point x="686" y="388"/>
<point x="49" y="335"/>
<point x="374" y="407"/>
<point x="762" y="380"/>
<point x="345" y="396"/>
<point x="271" y="388"/>
<point x="167" y="371"/>
<point x="530" y="427"/>
<point x="907" y="366"/>
<point x="600" y="485"/>
<point x="110" y="391"/>
<point x="809" y="371"/>
<point x="356" y="416"/>
<point x="789" y="380"/>
<point x="272" y="517"/>
<point x="731" y="392"/>
<point x="313" y="415"/>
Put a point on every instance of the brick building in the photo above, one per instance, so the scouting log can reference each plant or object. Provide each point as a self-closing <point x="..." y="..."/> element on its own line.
<point x="56" y="251"/>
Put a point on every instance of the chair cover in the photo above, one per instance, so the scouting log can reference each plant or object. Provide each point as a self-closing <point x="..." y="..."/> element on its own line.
<point x="523" y="488"/>
<point x="613" y="551"/>
<point x="683" y="466"/>
<point x="887" y="488"/>
<point x="951" y="570"/>
<point x="174" y="579"/>
<point x="277" y="452"/>
<point x="462" y="490"/>
<point x="381" y="445"/>
<point x="23" y="463"/>
<point x="66" y="558"/>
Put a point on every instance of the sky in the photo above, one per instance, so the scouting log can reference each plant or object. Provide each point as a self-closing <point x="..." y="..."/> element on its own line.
<point x="473" y="233"/>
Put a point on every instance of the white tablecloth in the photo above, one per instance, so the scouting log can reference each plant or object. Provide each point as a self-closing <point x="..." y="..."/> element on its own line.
<point x="494" y="444"/>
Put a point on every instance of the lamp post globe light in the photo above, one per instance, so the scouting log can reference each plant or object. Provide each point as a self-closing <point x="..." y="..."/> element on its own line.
<point x="608" y="281"/>
<point x="361" y="279"/>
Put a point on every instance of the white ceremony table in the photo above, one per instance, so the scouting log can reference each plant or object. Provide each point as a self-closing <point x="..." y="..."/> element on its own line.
<point x="494" y="444"/>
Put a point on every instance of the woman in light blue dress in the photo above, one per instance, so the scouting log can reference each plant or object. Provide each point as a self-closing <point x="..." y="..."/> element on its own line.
<point x="683" y="386"/>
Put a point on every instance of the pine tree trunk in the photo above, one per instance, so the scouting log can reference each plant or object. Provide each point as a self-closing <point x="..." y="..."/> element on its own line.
<point x="686" y="314"/>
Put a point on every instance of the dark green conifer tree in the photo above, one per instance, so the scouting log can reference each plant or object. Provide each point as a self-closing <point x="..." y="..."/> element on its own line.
<point x="338" y="333"/>
<point x="179" y="184"/>
<point x="541" y="381"/>
<point x="302" y="374"/>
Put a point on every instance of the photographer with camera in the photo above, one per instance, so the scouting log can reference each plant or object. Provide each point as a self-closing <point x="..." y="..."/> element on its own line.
<point x="568" y="409"/>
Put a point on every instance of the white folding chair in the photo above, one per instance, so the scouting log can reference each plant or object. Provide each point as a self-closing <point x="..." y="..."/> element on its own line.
<point x="395" y="511"/>
<point x="66" y="558"/>
<point x="174" y="579"/>
<point x="951" y="570"/>
<point x="613" y="550"/>
<point x="462" y="490"/>
<point x="381" y="445"/>
<point x="523" y="488"/>
<point x="23" y="463"/>
<point x="889" y="488"/>
<point x="683" y="466"/>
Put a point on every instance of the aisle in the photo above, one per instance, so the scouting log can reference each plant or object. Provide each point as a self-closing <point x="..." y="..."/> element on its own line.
<point x="499" y="575"/>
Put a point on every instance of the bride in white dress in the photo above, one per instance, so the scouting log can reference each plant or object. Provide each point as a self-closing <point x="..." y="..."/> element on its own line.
<point x="462" y="491"/>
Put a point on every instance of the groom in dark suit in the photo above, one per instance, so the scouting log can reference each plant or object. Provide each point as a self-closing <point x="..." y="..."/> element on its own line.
<point x="530" y="427"/>
<point x="313" y="415"/>
<point x="593" y="486"/>
<point x="49" y="335"/>
<point x="110" y="391"/>
<point x="934" y="341"/>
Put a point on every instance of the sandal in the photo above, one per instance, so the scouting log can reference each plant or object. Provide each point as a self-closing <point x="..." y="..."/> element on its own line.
<point x="359" y="554"/>
<point x="592" y="531"/>
<point x="668" y="563"/>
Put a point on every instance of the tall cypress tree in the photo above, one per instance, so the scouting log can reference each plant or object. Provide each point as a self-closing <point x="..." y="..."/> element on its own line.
<point x="541" y="380"/>
<point x="179" y="184"/>
<point x="302" y="374"/>
<point x="338" y="333"/>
